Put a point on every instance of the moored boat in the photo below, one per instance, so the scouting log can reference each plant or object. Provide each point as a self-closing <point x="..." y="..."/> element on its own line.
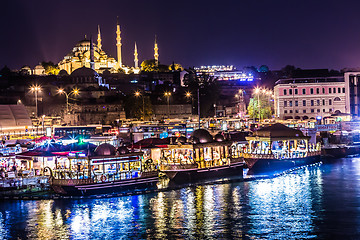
<point x="107" y="172"/>
<point x="200" y="160"/>
<point x="277" y="148"/>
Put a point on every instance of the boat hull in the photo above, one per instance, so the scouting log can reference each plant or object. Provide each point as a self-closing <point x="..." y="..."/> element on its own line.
<point x="111" y="187"/>
<point x="196" y="174"/>
<point x="273" y="166"/>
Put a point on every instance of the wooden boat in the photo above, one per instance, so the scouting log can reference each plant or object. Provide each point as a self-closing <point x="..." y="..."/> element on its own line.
<point x="103" y="174"/>
<point x="199" y="161"/>
<point x="277" y="148"/>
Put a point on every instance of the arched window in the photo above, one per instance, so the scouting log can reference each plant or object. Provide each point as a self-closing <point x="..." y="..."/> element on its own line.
<point x="337" y="99"/>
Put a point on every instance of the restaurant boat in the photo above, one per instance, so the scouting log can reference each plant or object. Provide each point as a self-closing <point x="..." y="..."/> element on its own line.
<point x="277" y="148"/>
<point x="109" y="171"/>
<point x="204" y="158"/>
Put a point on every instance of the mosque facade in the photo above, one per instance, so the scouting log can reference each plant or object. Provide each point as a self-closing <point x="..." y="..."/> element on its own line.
<point x="88" y="54"/>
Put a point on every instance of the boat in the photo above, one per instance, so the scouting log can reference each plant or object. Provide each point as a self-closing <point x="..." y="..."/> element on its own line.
<point x="107" y="172"/>
<point x="201" y="159"/>
<point x="277" y="148"/>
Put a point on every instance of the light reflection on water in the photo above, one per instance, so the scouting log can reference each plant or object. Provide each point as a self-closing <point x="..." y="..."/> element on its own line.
<point x="293" y="206"/>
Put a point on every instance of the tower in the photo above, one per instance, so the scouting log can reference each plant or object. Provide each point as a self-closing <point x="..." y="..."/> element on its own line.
<point x="92" y="62"/>
<point x="118" y="44"/>
<point x="156" y="53"/>
<point x="136" y="60"/>
<point x="99" y="39"/>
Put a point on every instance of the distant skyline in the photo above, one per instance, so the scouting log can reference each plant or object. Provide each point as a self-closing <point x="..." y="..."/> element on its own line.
<point x="306" y="34"/>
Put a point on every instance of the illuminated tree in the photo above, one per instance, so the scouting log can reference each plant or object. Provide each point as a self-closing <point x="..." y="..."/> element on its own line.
<point x="50" y="68"/>
<point x="149" y="66"/>
<point x="260" y="106"/>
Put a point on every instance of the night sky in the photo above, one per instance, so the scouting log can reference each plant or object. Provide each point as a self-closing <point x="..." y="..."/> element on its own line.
<point x="307" y="34"/>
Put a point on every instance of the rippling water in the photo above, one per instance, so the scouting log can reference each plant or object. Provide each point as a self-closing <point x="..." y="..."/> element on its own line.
<point x="319" y="202"/>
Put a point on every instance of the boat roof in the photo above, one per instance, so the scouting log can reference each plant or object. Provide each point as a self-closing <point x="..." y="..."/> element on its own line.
<point x="278" y="131"/>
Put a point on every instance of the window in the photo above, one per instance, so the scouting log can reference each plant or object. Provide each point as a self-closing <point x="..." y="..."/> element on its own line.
<point x="284" y="91"/>
<point x="290" y="91"/>
<point x="304" y="103"/>
<point x="290" y="111"/>
<point x="323" y="90"/>
<point x="323" y="102"/>
<point x="318" y="102"/>
<point x="339" y="90"/>
<point x="312" y="102"/>
<point x="317" y="91"/>
<point x="290" y="103"/>
<point x="296" y="103"/>
<point x="334" y="90"/>
<point x="312" y="110"/>
<point x="304" y="91"/>
<point x="304" y="110"/>
<point x="330" y="102"/>
<point x="337" y="99"/>
<point x="285" y="111"/>
<point x="311" y="91"/>
<point x="329" y="90"/>
<point x="318" y="110"/>
<point x="285" y="103"/>
<point x="296" y="91"/>
<point x="296" y="111"/>
<point x="323" y="109"/>
<point x="343" y="90"/>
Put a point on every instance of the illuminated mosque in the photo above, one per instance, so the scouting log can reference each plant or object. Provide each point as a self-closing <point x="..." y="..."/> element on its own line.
<point x="91" y="55"/>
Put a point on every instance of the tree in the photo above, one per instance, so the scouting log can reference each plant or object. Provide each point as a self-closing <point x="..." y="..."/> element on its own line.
<point x="50" y="68"/>
<point x="149" y="66"/>
<point x="264" y="68"/>
<point x="260" y="106"/>
<point x="176" y="67"/>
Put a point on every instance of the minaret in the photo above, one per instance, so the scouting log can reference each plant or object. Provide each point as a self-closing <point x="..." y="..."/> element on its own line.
<point x="99" y="39"/>
<point x="118" y="44"/>
<point x="136" y="60"/>
<point x="92" y="62"/>
<point x="156" y="53"/>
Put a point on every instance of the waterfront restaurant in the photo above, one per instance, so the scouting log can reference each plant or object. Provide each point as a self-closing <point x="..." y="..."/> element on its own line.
<point x="279" y="142"/>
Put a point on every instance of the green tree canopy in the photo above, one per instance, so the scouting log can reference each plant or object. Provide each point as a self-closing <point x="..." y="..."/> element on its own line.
<point x="260" y="106"/>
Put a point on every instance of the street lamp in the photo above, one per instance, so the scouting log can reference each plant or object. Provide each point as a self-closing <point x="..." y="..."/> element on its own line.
<point x="74" y="92"/>
<point x="138" y="94"/>
<point x="188" y="95"/>
<point x="36" y="89"/>
<point x="168" y="94"/>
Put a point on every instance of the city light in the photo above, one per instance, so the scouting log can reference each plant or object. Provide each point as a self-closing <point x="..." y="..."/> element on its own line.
<point x="36" y="89"/>
<point x="74" y="92"/>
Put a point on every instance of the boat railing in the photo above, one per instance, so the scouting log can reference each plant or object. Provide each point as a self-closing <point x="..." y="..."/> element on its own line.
<point x="167" y="167"/>
<point x="70" y="182"/>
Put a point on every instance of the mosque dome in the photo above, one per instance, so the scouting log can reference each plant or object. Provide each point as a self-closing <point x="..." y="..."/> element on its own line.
<point x="105" y="149"/>
<point x="62" y="73"/>
<point x="84" y="71"/>
<point x="203" y="135"/>
<point x="194" y="140"/>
